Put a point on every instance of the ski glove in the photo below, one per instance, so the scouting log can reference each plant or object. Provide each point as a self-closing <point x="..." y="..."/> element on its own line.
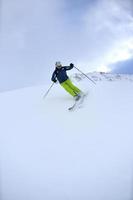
<point x="71" y="65"/>
<point x="54" y="80"/>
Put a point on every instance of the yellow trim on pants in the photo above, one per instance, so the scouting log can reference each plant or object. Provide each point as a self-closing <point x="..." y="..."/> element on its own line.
<point x="70" y="88"/>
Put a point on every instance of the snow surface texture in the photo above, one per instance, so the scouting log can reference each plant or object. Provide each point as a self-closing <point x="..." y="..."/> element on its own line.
<point x="49" y="153"/>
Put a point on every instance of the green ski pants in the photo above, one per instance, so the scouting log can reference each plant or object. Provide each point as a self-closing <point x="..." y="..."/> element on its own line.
<point x="70" y="88"/>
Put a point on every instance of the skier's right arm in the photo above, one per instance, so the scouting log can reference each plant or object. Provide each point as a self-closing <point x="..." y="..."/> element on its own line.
<point x="54" y="79"/>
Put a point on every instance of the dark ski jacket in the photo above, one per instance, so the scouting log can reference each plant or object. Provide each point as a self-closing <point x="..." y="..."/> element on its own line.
<point x="60" y="73"/>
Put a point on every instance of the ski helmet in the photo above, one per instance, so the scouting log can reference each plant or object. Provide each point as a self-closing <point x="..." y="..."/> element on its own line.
<point x="58" y="64"/>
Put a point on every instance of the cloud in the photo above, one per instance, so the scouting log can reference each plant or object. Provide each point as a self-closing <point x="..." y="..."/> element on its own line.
<point x="31" y="40"/>
<point x="98" y="32"/>
<point x="108" y="25"/>
<point x="123" y="67"/>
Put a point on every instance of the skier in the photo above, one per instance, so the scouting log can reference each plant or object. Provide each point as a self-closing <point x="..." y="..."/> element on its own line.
<point x="61" y="75"/>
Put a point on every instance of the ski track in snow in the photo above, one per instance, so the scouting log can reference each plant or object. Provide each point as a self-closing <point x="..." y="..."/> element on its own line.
<point x="50" y="153"/>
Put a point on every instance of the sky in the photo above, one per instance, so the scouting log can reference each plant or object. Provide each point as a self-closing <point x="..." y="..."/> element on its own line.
<point x="95" y="35"/>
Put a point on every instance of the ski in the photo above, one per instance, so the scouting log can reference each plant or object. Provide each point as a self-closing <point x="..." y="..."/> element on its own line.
<point x="72" y="107"/>
<point x="77" y="104"/>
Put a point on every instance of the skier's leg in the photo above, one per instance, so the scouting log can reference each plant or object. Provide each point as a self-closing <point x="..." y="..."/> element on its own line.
<point x="73" y="87"/>
<point x="68" y="89"/>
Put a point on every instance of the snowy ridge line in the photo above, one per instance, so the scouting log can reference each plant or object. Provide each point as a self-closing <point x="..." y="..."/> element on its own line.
<point x="101" y="76"/>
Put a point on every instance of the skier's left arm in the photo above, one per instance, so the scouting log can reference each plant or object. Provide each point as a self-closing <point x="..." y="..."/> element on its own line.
<point x="69" y="67"/>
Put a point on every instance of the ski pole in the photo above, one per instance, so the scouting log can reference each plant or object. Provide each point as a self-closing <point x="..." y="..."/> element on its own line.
<point x="48" y="91"/>
<point x="86" y="75"/>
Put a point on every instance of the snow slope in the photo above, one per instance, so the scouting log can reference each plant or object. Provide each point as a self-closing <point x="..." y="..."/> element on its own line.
<point x="49" y="153"/>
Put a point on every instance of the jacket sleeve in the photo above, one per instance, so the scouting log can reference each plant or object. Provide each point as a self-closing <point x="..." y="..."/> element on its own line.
<point x="54" y="76"/>
<point x="69" y="67"/>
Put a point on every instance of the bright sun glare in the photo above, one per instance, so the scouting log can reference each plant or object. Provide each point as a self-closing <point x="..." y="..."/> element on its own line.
<point x="103" y="69"/>
<point x="124" y="52"/>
